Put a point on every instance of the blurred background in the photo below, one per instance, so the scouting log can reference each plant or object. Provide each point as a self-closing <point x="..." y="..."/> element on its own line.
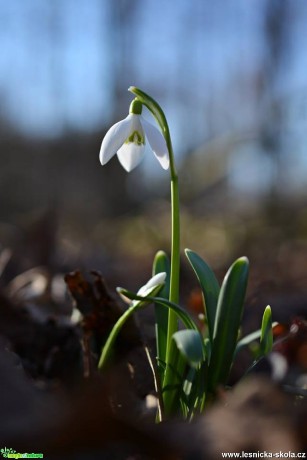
<point x="231" y="77"/>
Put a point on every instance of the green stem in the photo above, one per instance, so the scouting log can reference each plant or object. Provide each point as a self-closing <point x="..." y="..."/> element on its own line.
<point x="107" y="350"/>
<point x="108" y="347"/>
<point x="175" y="256"/>
<point x="158" y="113"/>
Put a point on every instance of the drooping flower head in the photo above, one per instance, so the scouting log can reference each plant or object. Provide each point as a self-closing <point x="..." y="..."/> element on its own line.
<point x="127" y="138"/>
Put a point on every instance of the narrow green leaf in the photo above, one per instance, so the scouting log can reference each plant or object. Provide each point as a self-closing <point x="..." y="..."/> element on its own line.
<point x="108" y="346"/>
<point x="176" y="371"/>
<point x="207" y="346"/>
<point x="250" y="338"/>
<point x="181" y="313"/>
<point x="192" y="392"/>
<point x="178" y="363"/>
<point x="209" y="285"/>
<point x="161" y="264"/>
<point x="266" y="339"/>
<point x="227" y="322"/>
<point x="151" y="287"/>
<point x="188" y="391"/>
<point x="188" y="384"/>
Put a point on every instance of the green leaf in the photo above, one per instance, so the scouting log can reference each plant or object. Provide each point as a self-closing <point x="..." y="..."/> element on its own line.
<point x="181" y="313"/>
<point x="161" y="264"/>
<point x="266" y="339"/>
<point x="151" y="287"/>
<point x="186" y="359"/>
<point x="107" y="350"/>
<point x="209" y="284"/>
<point x="189" y="343"/>
<point x="173" y="390"/>
<point x="227" y="322"/>
<point x="207" y="346"/>
<point x="172" y="385"/>
<point x="250" y="338"/>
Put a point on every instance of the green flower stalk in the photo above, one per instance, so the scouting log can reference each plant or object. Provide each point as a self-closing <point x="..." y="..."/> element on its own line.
<point x="127" y="139"/>
<point x="158" y="113"/>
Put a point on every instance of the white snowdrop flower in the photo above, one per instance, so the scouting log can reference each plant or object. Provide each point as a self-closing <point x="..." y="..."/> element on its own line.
<point x="127" y="138"/>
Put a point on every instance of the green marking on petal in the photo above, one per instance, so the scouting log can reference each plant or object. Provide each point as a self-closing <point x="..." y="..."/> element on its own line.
<point x="136" y="138"/>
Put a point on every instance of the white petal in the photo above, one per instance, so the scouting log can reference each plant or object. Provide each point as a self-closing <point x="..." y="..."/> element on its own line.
<point x="155" y="281"/>
<point x="130" y="155"/>
<point x="136" y="123"/>
<point x="114" y="139"/>
<point x="157" y="143"/>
